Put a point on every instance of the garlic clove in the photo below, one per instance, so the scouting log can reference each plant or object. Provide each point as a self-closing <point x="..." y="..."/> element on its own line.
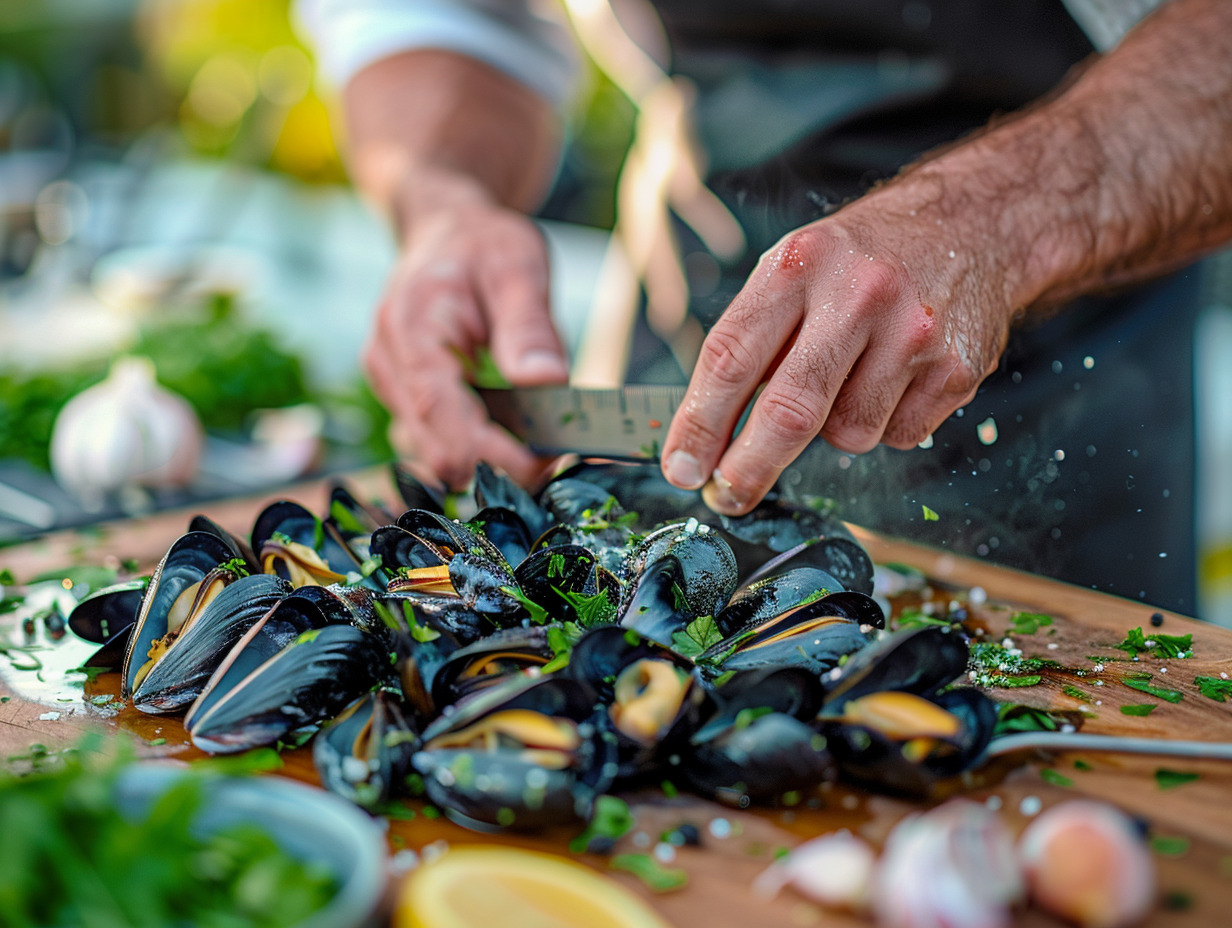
<point x="835" y="870"/>
<point x="1086" y="863"/>
<point x="126" y="431"/>
<point x="951" y="867"/>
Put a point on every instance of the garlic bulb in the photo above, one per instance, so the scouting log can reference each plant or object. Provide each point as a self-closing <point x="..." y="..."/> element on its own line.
<point x="126" y="431"/>
<point x="835" y="870"/>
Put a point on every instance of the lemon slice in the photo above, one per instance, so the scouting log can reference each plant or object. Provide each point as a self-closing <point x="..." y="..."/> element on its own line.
<point x="479" y="887"/>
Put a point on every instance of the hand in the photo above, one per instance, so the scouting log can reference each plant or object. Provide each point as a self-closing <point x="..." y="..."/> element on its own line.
<point x="471" y="273"/>
<point x="870" y="326"/>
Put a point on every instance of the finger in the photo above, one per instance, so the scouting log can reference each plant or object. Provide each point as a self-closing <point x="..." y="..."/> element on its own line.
<point x="514" y="291"/>
<point x="930" y="399"/>
<point x="737" y="353"/>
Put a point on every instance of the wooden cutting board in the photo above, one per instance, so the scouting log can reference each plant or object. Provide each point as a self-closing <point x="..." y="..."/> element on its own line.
<point x="736" y="845"/>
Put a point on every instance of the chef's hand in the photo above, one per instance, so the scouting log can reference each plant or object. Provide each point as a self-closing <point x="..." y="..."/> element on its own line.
<point x="471" y="273"/>
<point x="869" y="326"/>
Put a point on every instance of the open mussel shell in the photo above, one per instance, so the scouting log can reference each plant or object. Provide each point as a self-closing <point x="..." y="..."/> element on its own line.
<point x="554" y="577"/>
<point x="647" y="694"/>
<point x="707" y="565"/>
<point x="653" y="605"/>
<point x="917" y="660"/>
<point x="754" y="603"/>
<point x="419" y="490"/>
<point x="309" y="681"/>
<point x="814" y="636"/>
<point x="180" y="573"/>
<point x="239" y="546"/>
<point x="489" y="662"/>
<point x="364" y="753"/>
<point x="505" y="529"/>
<point x="292" y="542"/>
<point x="520" y="755"/>
<point x="179" y="674"/>
<point x="911" y="746"/>
<point x="484" y="585"/>
<point x="307" y="608"/>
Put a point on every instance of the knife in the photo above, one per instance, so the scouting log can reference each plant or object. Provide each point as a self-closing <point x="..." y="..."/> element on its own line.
<point x="626" y="422"/>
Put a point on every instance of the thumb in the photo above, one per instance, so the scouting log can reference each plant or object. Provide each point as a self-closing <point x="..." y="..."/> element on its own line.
<point x="524" y="342"/>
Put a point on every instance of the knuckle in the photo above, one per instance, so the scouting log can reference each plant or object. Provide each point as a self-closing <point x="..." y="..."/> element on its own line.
<point x="726" y="357"/>
<point x="791" y="416"/>
<point x="878" y="284"/>
<point x="849" y="439"/>
<point x="963" y="379"/>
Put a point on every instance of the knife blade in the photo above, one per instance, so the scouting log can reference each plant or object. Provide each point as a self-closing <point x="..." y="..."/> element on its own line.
<point x="624" y="422"/>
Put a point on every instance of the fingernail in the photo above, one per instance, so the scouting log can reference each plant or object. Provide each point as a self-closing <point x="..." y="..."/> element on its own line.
<point x="717" y="494"/>
<point x="539" y="363"/>
<point x="682" y="469"/>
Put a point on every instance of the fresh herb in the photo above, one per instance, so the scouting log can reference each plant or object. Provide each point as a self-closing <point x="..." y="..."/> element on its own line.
<point x="237" y="566"/>
<point x="698" y="635"/>
<point x="149" y="867"/>
<point x="345" y="519"/>
<point x="930" y="515"/>
<point x="1215" y="688"/>
<point x="1171" y="779"/>
<point x="561" y="639"/>
<point x="409" y="623"/>
<point x="998" y="666"/>
<point x="1177" y="900"/>
<point x="538" y="615"/>
<point x="1082" y="765"/>
<point x="1158" y="691"/>
<point x="1002" y="681"/>
<point x="1028" y="623"/>
<point x="1144" y="709"/>
<point x="1048" y="775"/>
<point x="1074" y="693"/>
<point x="1168" y="846"/>
<point x="610" y="821"/>
<point x="747" y="716"/>
<point x="1014" y="717"/>
<point x="6" y="577"/>
<point x="1164" y="647"/>
<point x="914" y="618"/>
<point x="593" y="609"/>
<point x="556" y="565"/>
<point x="658" y="878"/>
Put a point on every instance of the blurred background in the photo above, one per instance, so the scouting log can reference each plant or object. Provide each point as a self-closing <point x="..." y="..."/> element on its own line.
<point x="183" y="265"/>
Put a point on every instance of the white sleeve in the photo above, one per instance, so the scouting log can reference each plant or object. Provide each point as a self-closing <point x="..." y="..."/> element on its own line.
<point x="523" y="39"/>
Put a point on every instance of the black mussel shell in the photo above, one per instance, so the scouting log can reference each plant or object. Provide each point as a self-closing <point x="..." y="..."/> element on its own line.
<point x="179" y="675"/>
<point x="289" y="518"/>
<point x="310" y="680"/>
<point x="489" y="662"/>
<point x="840" y="557"/>
<point x="755" y="603"/>
<point x="307" y="608"/>
<point x="419" y="493"/>
<point x="917" y="660"/>
<point x="364" y="753"/>
<point x="485" y="586"/>
<point x="708" y="566"/>
<point x="107" y="612"/>
<point x="653" y="604"/>
<point x="790" y="691"/>
<point x="494" y="490"/>
<point x="551" y="576"/>
<point x="239" y="547"/>
<point x="396" y="547"/>
<point x="505" y="529"/>
<point x="914" y="767"/>
<point x="447" y="537"/>
<point x="757" y="760"/>
<point x="815" y="636"/>
<point x="509" y="786"/>
<point x="186" y="563"/>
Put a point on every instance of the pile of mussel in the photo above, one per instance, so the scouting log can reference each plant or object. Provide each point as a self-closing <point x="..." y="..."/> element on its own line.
<point x="605" y="633"/>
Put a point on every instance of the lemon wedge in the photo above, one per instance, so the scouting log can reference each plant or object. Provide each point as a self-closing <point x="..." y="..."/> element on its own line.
<point x="478" y="887"/>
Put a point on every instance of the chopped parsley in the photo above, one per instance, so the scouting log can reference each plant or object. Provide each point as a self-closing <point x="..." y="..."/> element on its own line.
<point x="1157" y="691"/>
<point x="609" y="821"/>
<point x="658" y="878"/>
<point x="1215" y="688"/>
<point x="592" y="610"/>
<point x="1145" y="709"/>
<point x="930" y="515"/>
<point x="1171" y="779"/>
<point x="1074" y="693"/>
<point x="1048" y="775"/>
<point x="561" y="639"/>
<point x="1028" y="623"/>
<point x="1164" y="647"/>
<point x="538" y="615"/>
<point x="1168" y="846"/>
<point x="697" y="636"/>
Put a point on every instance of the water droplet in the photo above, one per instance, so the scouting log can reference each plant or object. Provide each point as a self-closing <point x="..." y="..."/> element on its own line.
<point x="1058" y="455"/>
<point x="926" y="443"/>
<point x="1057" y="367"/>
<point x="1088" y="362"/>
<point x="986" y="431"/>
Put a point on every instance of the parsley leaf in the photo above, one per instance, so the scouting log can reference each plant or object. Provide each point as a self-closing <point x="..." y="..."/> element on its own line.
<point x="592" y="610"/>
<point x="1215" y="688"/>
<point x="697" y="636"/>
<point x="1164" y="647"/>
<point x="1138" y="710"/>
<point x="610" y="820"/>
<point x="1028" y="623"/>
<point x="658" y="878"/>
<point x="1158" y="691"/>
<point x="1171" y="779"/>
<point x="930" y="515"/>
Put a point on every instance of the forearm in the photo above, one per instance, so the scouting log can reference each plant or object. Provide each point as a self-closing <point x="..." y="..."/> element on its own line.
<point x="428" y="128"/>
<point x="1124" y="175"/>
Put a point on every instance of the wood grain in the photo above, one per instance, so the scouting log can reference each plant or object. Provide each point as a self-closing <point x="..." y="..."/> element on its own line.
<point x="1087" y="625"/>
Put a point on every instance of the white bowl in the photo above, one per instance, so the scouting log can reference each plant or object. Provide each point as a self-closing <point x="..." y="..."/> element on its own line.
<point x="310" y="824"/>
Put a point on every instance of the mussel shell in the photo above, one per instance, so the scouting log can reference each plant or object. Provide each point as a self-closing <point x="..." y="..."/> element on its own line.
<point x="239" y="547"/>
<point x="790" y="691"/>
<point x="708" y="566"/>
<point x="564" y="569"/>
<point x="841" y="558"/>
<point x="917" y="660"/>
<point x="754" y="603"/>
<point x="418" y="491"/>
<point x="488" y="662"/>
<point x="500" y="789"/>
<point x="186" y="562"/>
<point x="815" y="636"/>
<point x="180" y="674"/>
<point x="289" y="518"/>
<point x="482" y="584"/>
<point x="868" y="757"/>
<point x="306" y="608"/>
<point x="353" y="517"/>
<point x="505" y="529"/>
<point x="445" y="612"/>
<point x="497" y="490"/>
<point x="566" y="499"/>
<point x="772" y="755"/>
<point x="364" y="753"/>
<point x="652" y="602"/>
<point x="447" y="537"/>
<point x="106" y="612"/>
<point x="310" y="680"/>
